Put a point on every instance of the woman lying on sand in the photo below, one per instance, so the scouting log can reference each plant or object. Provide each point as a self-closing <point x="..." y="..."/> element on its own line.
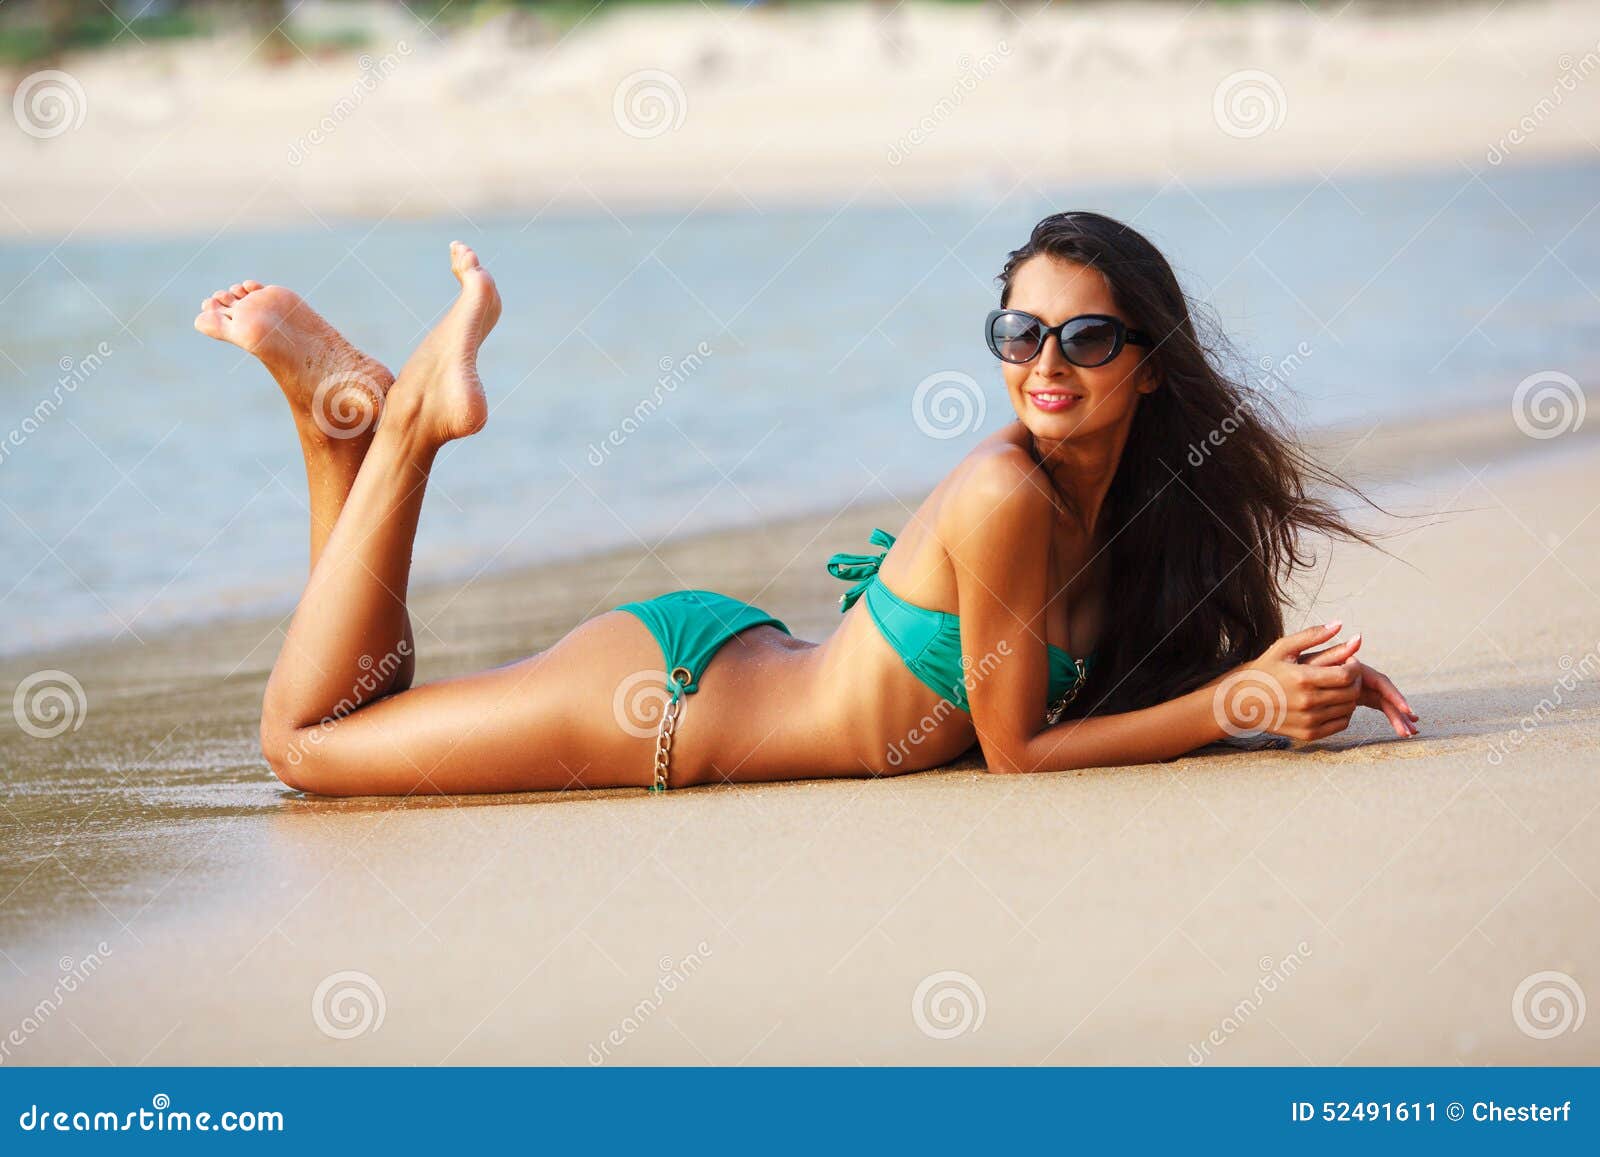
<point x="1076" y="593"/>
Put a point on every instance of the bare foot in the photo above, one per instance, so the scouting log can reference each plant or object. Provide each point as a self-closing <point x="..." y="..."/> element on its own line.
<point x="439" y="383"/>
<point x="335" y="390"/>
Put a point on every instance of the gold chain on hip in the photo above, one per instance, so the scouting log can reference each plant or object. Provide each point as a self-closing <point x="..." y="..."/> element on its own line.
<point x="670" y="716"/>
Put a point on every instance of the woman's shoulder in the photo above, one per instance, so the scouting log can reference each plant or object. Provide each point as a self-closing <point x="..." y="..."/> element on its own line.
<point x="997" y="486"/>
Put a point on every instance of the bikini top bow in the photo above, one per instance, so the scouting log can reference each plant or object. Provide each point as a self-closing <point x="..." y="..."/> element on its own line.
<point x="861" y="569"/>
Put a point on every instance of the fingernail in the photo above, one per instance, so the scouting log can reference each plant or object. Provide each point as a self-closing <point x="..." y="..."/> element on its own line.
<point x="1355" y="638"/>
<point x="1333" y="626"/>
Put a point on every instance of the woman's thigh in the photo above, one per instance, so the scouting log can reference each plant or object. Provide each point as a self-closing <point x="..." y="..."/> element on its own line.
<point x="554" y="721"/>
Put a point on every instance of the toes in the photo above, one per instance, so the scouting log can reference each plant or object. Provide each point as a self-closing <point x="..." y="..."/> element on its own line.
<point x="234" y="292"/>
<point x="462" y="258"/>
<point x="210" y="322"/>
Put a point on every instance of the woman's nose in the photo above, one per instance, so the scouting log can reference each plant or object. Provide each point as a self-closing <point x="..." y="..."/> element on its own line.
<point x="1051" y="362"/>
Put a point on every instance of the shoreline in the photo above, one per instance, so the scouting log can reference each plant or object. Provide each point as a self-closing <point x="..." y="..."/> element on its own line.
<point x="657" y="204"/>
<point x="1404" y="450"/>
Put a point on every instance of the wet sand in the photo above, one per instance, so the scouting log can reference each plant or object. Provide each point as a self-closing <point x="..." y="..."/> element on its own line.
<point x="1359" y="901"/>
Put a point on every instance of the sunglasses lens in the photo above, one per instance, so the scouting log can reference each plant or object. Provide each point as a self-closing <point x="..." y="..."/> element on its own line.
<point x="1016" y="337"/>
<point x="1089" y="342"/>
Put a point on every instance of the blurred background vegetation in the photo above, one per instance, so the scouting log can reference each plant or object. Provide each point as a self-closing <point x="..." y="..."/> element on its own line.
<point x="41" y="31"/>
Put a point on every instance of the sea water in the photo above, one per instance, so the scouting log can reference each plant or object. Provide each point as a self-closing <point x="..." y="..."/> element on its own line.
<point x="661" y="373"/>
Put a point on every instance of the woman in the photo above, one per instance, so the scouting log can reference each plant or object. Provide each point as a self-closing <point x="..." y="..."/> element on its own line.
<point x="1076" y="593"/>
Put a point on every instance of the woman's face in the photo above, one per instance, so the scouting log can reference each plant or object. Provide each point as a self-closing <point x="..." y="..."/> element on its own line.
<point x="1055" y="399"/>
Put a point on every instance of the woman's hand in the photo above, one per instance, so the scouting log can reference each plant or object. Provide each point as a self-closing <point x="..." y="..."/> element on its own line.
<point x="1290" y="692"/>
<point x="1377" y="689"/>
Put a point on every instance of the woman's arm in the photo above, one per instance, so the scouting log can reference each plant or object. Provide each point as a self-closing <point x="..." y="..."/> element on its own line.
<point x="998" y="536"/>
<point x="1273" y="693"/>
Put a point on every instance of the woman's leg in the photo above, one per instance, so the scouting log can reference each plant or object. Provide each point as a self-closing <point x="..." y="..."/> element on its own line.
<point x="335" y="393"/>
<point x="541" y="723"/>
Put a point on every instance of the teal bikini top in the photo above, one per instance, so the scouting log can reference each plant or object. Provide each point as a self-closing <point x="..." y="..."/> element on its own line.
<point x="928" y="641"/>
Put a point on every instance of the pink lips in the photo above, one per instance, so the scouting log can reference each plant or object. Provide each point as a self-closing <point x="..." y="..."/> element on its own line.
<point x="1053" y="403"/>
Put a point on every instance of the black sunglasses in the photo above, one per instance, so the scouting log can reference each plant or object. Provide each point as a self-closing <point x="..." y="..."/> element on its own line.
<point x="1088" y="340"/>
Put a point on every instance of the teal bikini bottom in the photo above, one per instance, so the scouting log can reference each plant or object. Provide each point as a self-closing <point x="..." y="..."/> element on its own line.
<point x="691" y="626"/>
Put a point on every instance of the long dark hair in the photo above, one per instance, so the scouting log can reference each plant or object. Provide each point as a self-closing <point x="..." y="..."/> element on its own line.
<point x="1212" y="501"/>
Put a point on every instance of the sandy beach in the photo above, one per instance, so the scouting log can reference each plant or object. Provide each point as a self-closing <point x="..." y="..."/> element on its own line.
<point x="1362" y="901"/>
<point x="696" y="105"/>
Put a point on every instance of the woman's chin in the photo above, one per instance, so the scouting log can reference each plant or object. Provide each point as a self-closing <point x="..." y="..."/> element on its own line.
<point x="1050" y="427"/>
